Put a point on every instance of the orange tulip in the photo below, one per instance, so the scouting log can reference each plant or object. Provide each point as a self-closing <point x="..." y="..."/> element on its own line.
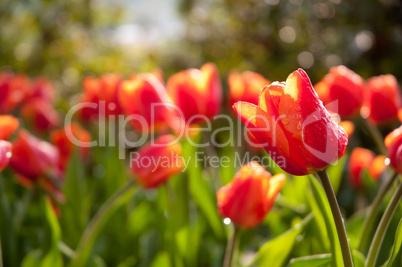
<point x="144" y="95"/>
<point x="393" y="141"/>
<point x="66" y="146"/>
<point x="245" y="87"/>
<point x="156" y="162"/>
<point x="8" y="125"/>
<point x="348" y="126"/>
<point x="344" y="85"/>
<point x="360" y="160"/>
<point x="293" y="126"/>
<point x="250" y="196"/>
<point x="383" y="98"/>
<point x="33" y="158"/>
<point x="5" y="153"/>
<point x="104" y="89"/>
<point x="196" y="92"/>
<point x="377" y="166"/>
<point x="41" y="113"/>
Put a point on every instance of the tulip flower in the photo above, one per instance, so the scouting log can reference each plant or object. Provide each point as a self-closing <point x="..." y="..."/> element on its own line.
<point x="383" y="98"/>
<point x="393" y="141"/>
<point x="158" y="161"/>
<point x="14" y="89"/>
<point x="42" y="88"/>
<point x="348" y="126"/>
<point x="66" y="146"/>
<point x="249" y="197"/>
<point x="33" y="158"/>
<point x="5" y="153"/>
<point x="360" y="160"/>
<point x="345" y="86"/>
<point x="145" y="96"/>
<point x="377" y="166"/>
<point x="103" y="89"/>
<point x="41" y="114"/>
<point x="8" y="125"/>
<point x="294" y="127"/>
<point x="245" y="87"/>
<point x="196" y="92"/>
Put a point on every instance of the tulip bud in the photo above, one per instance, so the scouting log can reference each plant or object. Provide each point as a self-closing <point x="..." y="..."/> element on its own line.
<point x="156" y="162"/>
<point x="5" y="153"/>
<point x="245" y="87"/>
<point x="8" y="125"/>
<point x="250" y="196"/>
<point x="360" y="160"/>
<point x="383" y="98"/>
<point x="393" y="141"/>
<point x="66" y="146"/>
<point x="197" y="93"/>
<point x="41" y="114"/>
<point x="103" y="89"/>
<point x="33" y="158"/>
<point x="145" y="96"/>
<point x="345" y="86"/>
<point x="291" y="122"/>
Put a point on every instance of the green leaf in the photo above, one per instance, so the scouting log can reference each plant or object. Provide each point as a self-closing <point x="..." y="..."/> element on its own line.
<point x="310" y="261"/>
<point x="276" y="251"/>
<point x="358" y="258"/>
<point x="335" y="172"/>
<point x="53" y="257"/>
<point x="326" y="212"/>
<point x="200" y="191"/>
<point x="161" y="260"/>
<point x="396" y="248"/>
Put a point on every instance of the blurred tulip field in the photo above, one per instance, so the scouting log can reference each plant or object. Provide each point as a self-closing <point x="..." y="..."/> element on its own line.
<point x="200" y="133"/>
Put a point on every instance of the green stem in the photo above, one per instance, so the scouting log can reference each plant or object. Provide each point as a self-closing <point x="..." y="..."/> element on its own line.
<point x="232" y="249"/>
<point x="375" y="135"/>
<point x="382" y="227"/>
<point x="372" y="213"/>
<point x="94" y="226"/>
<point x="336" y="213"/>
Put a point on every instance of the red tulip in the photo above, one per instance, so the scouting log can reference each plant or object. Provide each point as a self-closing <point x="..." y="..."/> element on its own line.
<point x="14" y="89"/>
<point x="393" y="141"/>
<point x="42" y="88"/>
<point x="360" y="160"/>
<point x="344" y="85"/>
<point x="245" y="87"/>
<point x="103" y="89"/>
<point x="196" y="92"/>
<point x="5" y="153"/>
<point x="8" y="125"/>
<point x="144" y="95"/>
<point x="294" y="126"/>
<point x="33" y="158"/>
<point x="249" y="197"/>
<point x="383" y="98"/>
<point x="41" y="113"/>
<point x="156" y="162"/>
<point x="66" y="146"/>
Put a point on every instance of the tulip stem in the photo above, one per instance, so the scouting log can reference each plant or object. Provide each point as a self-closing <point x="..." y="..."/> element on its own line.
<point x="1" y="255"/>
<point x="372" y="213"/>
<point x="232" y="249"/>
<point x="336" y="213"/>
<point x="88" y="237"/>
<point x="375" y="135"/>
<point x="382" y="227"/>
